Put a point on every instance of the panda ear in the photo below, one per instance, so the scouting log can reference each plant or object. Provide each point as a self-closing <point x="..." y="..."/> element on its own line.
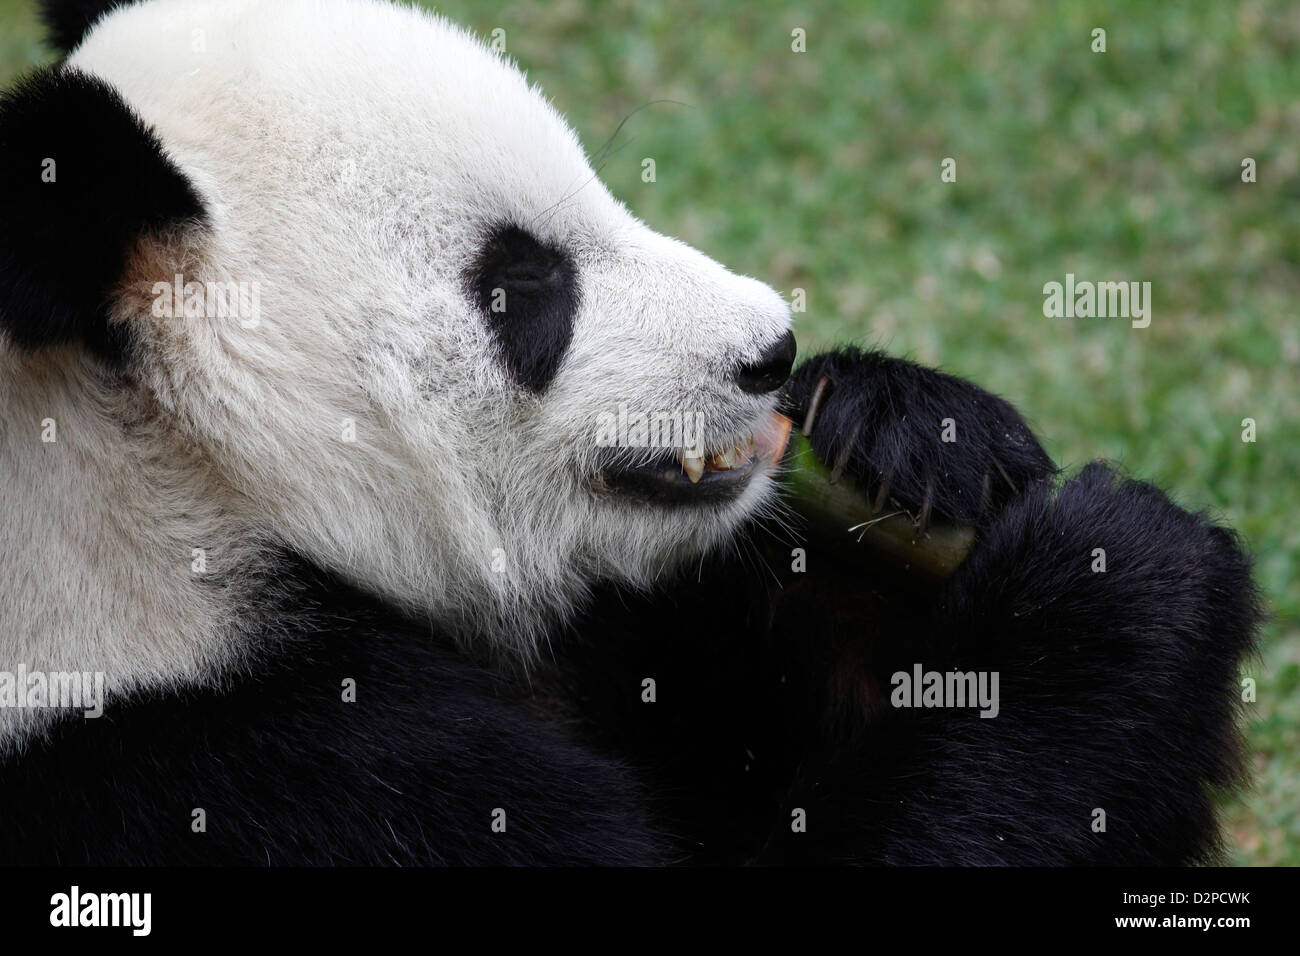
<point x="67" y="21"/>
<point x="81" y="178"/>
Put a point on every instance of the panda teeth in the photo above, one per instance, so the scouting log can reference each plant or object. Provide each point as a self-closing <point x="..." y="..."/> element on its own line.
<point x="726" y="460"/>
<point x="692" y="464"/>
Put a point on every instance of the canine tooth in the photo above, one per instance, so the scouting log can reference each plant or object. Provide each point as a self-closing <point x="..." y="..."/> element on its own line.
<point x="692" y="464"/>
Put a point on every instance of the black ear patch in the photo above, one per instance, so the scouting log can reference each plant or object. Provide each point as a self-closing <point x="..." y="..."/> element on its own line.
<point x="81" y="177"/>
<point x="528" y="291"/>
<point x="67" y="21"/>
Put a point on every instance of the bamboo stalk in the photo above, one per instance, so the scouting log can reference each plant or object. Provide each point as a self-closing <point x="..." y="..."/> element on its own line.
<point x="840" y="510"/>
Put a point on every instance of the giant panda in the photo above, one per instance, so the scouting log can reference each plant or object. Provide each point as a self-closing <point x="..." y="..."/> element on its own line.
<point x="363" y="586"/>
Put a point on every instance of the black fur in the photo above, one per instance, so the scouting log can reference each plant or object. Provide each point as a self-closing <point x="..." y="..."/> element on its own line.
<point x="1117" y="693"/>
<point x="541" y="300"/>
<point x="63" y="244"/>
<point x="1117" y="690"/>
<point x="288" y="773"/>
<point x="68" y="21"/>
<point x="882" y="420"/>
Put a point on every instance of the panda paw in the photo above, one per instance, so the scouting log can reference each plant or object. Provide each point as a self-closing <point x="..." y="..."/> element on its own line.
<point x="913" y="437"/>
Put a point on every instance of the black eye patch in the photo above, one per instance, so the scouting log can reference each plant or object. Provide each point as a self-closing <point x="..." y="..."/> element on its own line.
<point x="528" y="293"/>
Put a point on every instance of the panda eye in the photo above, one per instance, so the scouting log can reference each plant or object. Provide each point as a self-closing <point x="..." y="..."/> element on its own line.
<point x="527" y="291"/>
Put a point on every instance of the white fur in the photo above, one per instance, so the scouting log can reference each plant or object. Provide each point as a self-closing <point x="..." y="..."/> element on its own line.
<point x="351" y="155"/>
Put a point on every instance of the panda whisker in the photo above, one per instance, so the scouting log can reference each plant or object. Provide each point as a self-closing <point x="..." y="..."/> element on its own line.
<point x="602" y="157"/>
<point x="603" y="152"/>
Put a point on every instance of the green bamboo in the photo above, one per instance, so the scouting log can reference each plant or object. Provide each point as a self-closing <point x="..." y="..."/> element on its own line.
<point x="840" y="508"/>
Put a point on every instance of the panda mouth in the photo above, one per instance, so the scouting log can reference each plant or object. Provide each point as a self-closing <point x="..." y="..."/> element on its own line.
<point x="684" y="476"/>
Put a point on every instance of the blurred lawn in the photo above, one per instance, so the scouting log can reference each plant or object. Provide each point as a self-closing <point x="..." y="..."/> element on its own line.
<point x="820" y="171"/>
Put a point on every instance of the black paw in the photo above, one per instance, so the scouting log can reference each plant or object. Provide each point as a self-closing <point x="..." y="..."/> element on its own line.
<point x="914" y="438"/>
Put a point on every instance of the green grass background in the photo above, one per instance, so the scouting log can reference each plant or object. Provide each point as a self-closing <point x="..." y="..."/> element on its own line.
<point x="820" y="171"/>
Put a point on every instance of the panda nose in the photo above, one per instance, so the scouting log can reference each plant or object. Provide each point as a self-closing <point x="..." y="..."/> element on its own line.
<point x="770" y="370"/>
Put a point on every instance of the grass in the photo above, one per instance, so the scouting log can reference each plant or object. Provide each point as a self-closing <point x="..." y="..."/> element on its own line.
<point x="820" y="171"/>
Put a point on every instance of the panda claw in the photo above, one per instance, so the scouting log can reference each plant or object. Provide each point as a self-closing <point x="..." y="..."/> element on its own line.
<point x="815" y="404"/>
<point x="843" y="457"/>
<point x="1012" y="484"/>
<point x="882" y="495"/>
<point x="923" y="522"/>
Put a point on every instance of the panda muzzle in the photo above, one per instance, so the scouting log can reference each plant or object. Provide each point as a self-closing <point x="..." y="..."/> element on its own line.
<point x="688" y="476"/>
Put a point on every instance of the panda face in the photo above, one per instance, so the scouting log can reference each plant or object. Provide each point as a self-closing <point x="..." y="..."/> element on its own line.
<point x="450" y="310"/>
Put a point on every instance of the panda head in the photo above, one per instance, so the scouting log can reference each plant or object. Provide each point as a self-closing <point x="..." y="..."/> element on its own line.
<point x="336" y="267"/>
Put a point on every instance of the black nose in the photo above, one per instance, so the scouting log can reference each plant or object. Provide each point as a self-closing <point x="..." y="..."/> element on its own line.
<point x="771" y="369"/>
